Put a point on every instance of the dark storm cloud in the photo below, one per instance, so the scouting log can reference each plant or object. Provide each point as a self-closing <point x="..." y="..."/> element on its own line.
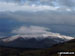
<point x="44" y="17"/>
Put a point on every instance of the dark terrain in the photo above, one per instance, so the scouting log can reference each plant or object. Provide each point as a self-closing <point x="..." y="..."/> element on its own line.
<point x="53" y="51"/>
<point x="20" y="42"/>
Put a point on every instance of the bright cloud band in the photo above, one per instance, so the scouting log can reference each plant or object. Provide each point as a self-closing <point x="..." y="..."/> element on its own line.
<point x="24" y="5"/>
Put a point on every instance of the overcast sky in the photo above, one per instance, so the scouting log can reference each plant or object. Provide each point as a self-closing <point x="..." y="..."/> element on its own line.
<point x="37" y="5"/>
<point x="57" y="15"/>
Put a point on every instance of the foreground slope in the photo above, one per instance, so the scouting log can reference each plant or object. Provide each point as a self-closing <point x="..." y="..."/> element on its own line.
<point x="53" y="51"/>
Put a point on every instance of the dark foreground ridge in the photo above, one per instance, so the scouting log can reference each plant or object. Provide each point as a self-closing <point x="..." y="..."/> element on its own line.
<point x="53" y="51"/>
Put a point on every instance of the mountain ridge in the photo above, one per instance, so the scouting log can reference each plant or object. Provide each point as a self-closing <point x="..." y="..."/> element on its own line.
<point x="33" y="42"/>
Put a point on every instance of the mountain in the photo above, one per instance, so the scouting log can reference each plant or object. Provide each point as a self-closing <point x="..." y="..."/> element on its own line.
<point x="33" y="41"/>
<point x="68" y="46"/>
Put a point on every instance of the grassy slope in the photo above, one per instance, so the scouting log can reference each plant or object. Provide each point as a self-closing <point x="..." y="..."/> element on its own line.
<point x="67" y="46"/>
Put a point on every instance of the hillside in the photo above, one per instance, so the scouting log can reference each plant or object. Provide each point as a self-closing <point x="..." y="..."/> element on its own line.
<point x="67" y="46"/>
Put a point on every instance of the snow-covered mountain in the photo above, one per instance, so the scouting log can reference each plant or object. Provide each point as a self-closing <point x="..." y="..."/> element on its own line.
<point x="38" y="36"/>
<point x="34" y="41"/>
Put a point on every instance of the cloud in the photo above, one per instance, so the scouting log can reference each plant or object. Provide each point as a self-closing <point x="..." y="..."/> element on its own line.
<point x="15" y="7"/>
<point x="56" y="12"/>
<point x="37" y="5"/>
<point x="44" y="17"/>
<point x="30" y="30"/>
<point x="37" y="31"/>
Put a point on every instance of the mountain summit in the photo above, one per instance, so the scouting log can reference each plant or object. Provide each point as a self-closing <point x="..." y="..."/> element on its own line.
<point x="34" y="41"/>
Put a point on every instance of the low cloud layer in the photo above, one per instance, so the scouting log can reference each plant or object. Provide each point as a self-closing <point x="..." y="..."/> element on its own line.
<point x="37" y="31"/>
<point x="30" y="30"/>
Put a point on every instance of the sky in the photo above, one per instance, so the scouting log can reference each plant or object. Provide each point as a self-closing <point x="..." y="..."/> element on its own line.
<point x="37" y="16"/>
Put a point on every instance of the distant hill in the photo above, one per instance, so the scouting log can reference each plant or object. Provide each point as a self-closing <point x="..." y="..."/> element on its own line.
<point x="53" y="51"/>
